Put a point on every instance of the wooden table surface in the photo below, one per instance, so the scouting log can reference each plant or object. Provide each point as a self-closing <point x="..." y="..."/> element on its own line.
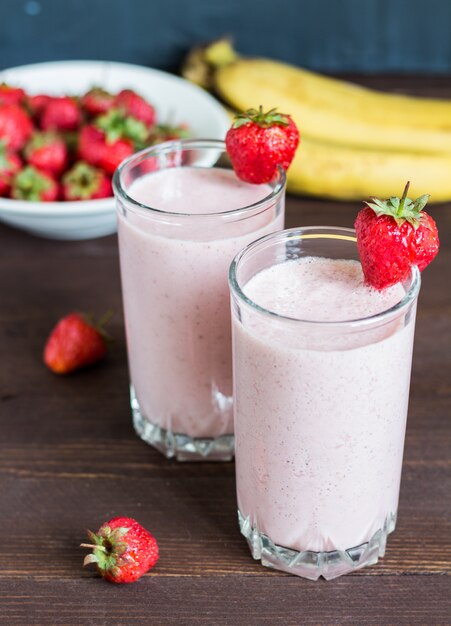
<point x="69" y="459"/>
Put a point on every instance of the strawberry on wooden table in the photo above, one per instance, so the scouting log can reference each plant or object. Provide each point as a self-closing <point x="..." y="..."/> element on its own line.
<point x="392" y="236"/>
<point x="75" y="343"/>
<point x="34" y="185"/>
<point x="258" y="142"/>
<point x="85" y="182"/>
<point x="122" y="550"/>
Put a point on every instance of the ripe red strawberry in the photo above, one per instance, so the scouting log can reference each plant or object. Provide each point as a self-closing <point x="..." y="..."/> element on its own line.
<point x="95" y="148"/>
<point x="86" y="182"/>
<point x="15" y="126"/>
<point x="165" y="132"/>
<point x="61" y="114"/>
<point x="136" y="106"/>
<point x="258" y="142"/>
<point x="114" y="153"/>
<point x="48" y="152"/>
<point x="11" y="95"/>
<point x="10" y="164"/>
<point x="74" y="343"/>
<point x="114" y="137"/>
<point x="34" y="185"/>
<point x="90" y="144"/>
<point x="37" y="103"/>
<point x="122" y="550"/>
<point x="392" y="236"/>
<point x="97" y="101"/>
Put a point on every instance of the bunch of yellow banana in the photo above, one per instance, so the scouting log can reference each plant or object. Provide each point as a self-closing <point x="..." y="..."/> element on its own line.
<point x="356" y="142"/>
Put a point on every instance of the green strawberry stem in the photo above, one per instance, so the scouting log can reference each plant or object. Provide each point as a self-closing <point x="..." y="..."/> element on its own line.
<point x="93" y="546"/>
<point x="403" y="198"/>
<point x="401" y="209"/>
<point x="103" y="321"/>
<point x="258" y="116"/>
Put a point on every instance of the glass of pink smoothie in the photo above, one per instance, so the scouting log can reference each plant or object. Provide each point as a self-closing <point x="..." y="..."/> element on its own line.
<point x="182" y="217"/>
<point x="321" y="385"/>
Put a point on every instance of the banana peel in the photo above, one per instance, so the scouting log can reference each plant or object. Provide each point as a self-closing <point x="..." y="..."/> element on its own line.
<point x="323" y="116"/>
<point x="337" y="164"/>
<point x="350" y="173"/>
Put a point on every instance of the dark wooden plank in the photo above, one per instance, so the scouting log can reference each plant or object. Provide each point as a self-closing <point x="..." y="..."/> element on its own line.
<point x="230" y="601"/>
<point x="193" y="516"/>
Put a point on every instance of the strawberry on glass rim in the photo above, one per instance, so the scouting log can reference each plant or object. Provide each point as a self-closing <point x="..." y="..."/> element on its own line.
<point x="392" y="236"/>
<point x="258" y="142"/>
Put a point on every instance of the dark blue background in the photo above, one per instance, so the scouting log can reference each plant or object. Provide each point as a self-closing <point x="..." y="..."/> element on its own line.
<point x="329" y="35"/>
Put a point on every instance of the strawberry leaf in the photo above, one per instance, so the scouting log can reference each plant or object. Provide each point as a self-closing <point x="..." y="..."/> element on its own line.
<point x="421" y="202"/>
<point x="271" y="118"/>
<point x="90" y="558"/>
<point x="401" y="209"/>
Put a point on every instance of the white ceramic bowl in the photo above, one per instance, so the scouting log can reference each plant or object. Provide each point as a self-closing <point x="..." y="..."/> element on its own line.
<point x="175" y="100"/>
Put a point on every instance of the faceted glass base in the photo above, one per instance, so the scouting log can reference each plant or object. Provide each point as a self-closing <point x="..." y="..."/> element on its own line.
<point x="179" y="446"/>
<point x="310" y="564"/>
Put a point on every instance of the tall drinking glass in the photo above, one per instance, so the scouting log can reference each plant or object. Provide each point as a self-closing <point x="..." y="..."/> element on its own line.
<point x="321" y="384"/>
<point x="182" y="217"/>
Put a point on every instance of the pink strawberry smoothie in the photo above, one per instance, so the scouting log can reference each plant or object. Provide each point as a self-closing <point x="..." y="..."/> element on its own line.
<point x="319" y="417"/>
<point x="175" y="292"/>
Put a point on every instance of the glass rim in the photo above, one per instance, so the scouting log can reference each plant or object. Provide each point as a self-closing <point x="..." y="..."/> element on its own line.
<point x="189" y="144"/>
<point x="318" y="232"/>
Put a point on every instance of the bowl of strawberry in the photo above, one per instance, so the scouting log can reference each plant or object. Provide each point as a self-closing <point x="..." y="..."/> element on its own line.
<point x="64" y="128"/>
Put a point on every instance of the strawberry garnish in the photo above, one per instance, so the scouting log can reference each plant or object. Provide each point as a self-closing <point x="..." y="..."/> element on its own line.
<point x="74" y="343"/>
<point x="392" y="236"/>
<point x="86" y="182"/>
<point x="122" y="550"/>
<point x="258" y="142"/>
<point x="34" y="185"/>
<point x="48" y="152"/>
